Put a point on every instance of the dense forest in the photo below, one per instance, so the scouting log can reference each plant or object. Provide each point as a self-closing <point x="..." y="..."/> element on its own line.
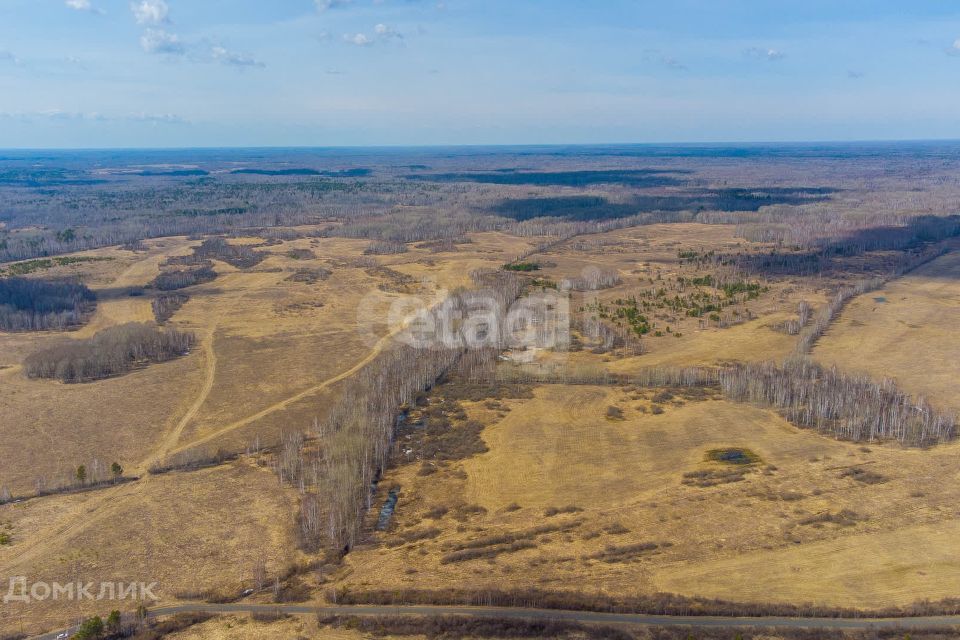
<point x="39" y="305"/>
<point x="808" y="198"/>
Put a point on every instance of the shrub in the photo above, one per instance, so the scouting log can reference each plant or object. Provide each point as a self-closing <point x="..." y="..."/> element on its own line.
<point x="182" y="278"/>
<point x="309" y="276"/>
<point x="384" y="248"/>
<point x="301" y="254"/>
<point x="165" y="306"/>
<point x="238" y="255"/>
<point x="90" y="628"/>
<point x="864" y="476"/>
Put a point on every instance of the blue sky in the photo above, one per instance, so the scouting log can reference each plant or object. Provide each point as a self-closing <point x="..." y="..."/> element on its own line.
<point x="122" y="73"/>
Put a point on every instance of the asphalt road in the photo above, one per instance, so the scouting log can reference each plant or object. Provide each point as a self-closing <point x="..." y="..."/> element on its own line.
<point x="586" y="617"/>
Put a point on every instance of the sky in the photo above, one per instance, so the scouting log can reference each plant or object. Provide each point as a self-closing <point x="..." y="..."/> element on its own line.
<point x="199" y="73"/>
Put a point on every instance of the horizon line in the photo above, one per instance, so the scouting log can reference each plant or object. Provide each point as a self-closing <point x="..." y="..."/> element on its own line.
<point x="714" y="143"/>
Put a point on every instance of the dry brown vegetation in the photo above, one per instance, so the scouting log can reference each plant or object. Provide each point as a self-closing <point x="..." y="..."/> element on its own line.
<point x="737" y="326"/>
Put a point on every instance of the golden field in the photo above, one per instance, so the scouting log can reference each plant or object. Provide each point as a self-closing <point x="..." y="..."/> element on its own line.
<point x="624" y="503"/>
<point x="904" y="331"/>
<point x="794" y="523"/>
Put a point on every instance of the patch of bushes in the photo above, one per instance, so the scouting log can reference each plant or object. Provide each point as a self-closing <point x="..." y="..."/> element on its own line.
<point x="413" y="535"/>
<point x="437" y="512"/>
<point x="552" y="511"/>
<point x="616" y="529"/>
<point x="301" y="254"/>
<point x="191" y="460"/>
<point x="29" y="266"/>
<point x="462" y="512"/>
<point x="309" y="276"/>
<point x="733" y="455"/>
<point x="182" y="278"/>
<point x="652" y="603"/>
<point x="486" y="552"/>
<point x="440" y="438"/>
<point x="508" y="542"/>
<point x="713" y="477"/>
<point x="623" y="553"/>
<point x="864" y="476"/>
<point x="384" y="248"/>
<point x="157" y="629"/>
<point x="522" y="266"/>
<point x="457" y="627"/>
<point x="448" y="245"/>
<point x="842" y="518"/>
<point x="164" y="306"/>
<point x="111" y="352"/>
<point x="614" y="413"/>
<point x="240" y="256"/>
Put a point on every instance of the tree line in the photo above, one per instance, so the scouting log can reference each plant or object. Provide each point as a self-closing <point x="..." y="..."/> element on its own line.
<point x="164" y="306"/>
<point x="826" y="315"/>
<point x="41" y="305"/>
<point x="110" y="352"/>
<point x="356" y="437"/>
<point x="846" y="406"/>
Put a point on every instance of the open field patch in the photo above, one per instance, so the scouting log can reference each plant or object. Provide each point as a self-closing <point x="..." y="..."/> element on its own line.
<point x="905" y="331"/>
<point x="703" y="484"/>
<point x="227" y="520"/>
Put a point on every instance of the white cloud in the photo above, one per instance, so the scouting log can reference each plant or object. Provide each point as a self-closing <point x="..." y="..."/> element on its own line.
<point x="159" y="41"/>
<point x="94" y="116"/>
<point x="233" y="58"/>
<point x="381" y="33"/>
<point x="359" y="39"/>
<point x="324" y="5"/>
<point x="150" y="11"/>
<point x="386" y="33"/>
<point x="82" y="5"/>
<point x="955" y="49"/>
<point x="765" y="54"/>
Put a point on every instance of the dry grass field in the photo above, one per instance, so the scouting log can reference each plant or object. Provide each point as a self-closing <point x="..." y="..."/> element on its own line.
<point x="226" y="519"/>
<point x="568" y="498"/>
<point x="596" y="489"/>
<point x="273" y="353"/>
<point x="655" y="257"/>
<point x="246" y="628"/>
<point x="905" y="331"/>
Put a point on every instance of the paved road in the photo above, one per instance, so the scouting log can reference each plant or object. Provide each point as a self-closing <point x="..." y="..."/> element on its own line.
<point x="587" y="617"/>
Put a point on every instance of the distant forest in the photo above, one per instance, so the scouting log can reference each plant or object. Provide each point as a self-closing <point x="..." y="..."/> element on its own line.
<point x="813" y="196"/>
<point x="586" y="208"/>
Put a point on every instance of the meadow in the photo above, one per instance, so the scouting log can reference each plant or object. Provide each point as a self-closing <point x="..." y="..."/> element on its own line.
<point x="201" y="382"/>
